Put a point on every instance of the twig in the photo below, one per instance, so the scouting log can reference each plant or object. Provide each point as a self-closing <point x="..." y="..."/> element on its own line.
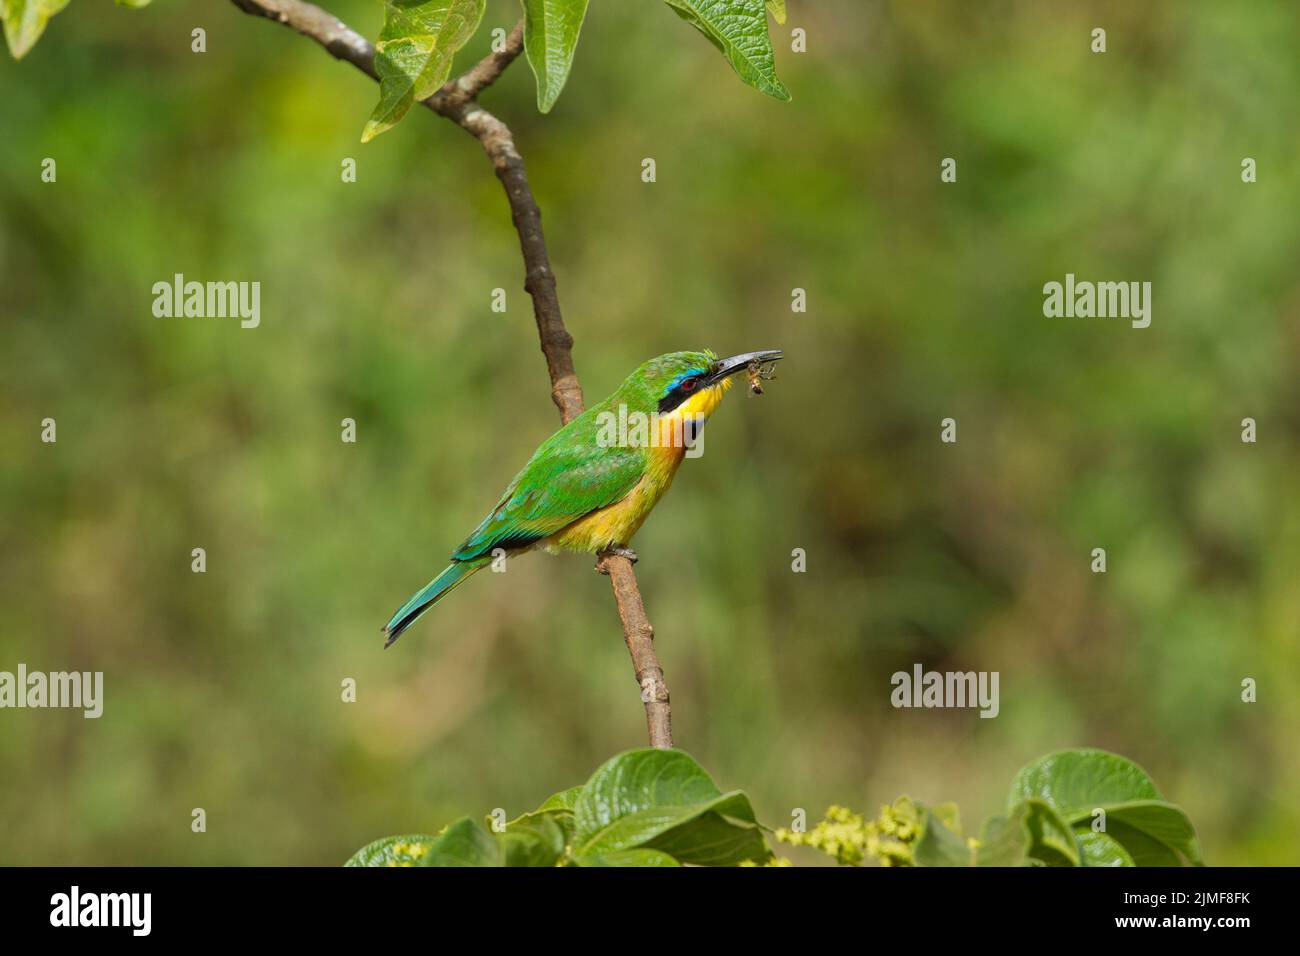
<point x="457" y="101"/>
<point x="640" y="638"/>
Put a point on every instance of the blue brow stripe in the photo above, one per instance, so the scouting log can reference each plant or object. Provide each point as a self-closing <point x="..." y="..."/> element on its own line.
<point x="681" y="378"/>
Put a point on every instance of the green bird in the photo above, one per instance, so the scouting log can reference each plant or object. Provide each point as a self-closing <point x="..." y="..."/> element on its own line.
<point x="591" y="485"/>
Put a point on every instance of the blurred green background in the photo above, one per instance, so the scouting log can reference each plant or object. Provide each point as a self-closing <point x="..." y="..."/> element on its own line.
<point x="924" y="301"/>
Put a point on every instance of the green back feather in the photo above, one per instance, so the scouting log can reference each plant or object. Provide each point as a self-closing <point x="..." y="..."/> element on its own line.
<point x="572" y="474"/>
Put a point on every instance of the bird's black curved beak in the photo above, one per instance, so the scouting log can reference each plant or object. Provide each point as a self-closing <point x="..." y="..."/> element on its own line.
<point x="725" y="368"/>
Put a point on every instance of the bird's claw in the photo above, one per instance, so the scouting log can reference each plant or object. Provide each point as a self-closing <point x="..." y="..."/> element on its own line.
<point x="614" y="553"/>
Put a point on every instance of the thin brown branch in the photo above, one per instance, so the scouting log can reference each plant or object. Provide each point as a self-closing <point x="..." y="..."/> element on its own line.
<point x="457" y="101"/>
<point x="640" y="638"/>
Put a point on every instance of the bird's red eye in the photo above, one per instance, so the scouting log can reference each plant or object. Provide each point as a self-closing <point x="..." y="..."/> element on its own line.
<point x="689" y="384"/>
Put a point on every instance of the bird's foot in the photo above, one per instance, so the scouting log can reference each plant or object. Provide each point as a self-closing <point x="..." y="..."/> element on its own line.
<point x="614" y="553"/>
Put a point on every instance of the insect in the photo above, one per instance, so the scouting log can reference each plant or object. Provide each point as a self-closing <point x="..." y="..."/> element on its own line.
<point x="760" y="372"/>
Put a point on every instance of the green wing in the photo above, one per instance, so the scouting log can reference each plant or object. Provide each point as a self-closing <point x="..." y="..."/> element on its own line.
<point x="566" y="479"/>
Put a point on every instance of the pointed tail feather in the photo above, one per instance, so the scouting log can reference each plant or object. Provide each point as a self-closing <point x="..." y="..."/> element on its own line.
<point x="427" y="597"/>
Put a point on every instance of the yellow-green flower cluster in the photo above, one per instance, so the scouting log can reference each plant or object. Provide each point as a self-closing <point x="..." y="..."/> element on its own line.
<point x="852" y="840"/>
<point x="409" y="853"/>
<point x="894" y="832"/>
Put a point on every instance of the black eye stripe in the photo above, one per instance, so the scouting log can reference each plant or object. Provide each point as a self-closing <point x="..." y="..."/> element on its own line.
<point x="684" y="389"/>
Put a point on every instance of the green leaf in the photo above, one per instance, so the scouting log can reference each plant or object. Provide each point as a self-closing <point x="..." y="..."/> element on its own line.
<point x="464" y="843"/>
<point x="1051" y="841"/>
<point x="1004" y="841"/>
<point x="556" y="810"/>
<point x="940" y="842"/>
<point x="1101" y="849"/>
<point x="739" y="29"/>
<point x="948" y="813"/>
<point x="24" y="22"/>
<point x="721" y="832"/>
<point x="1163" y="822"/>
<point x="629" y="858"/>
<point x="405" y="850"/>
<point x="1143" y="849"/>
<point x="133" y="4"/>
<point x="414" y="52"/>
<point x="1076" y="783"/>
<point x="723" y="836"/>
<point x="560" y="818"/>
<point x="536" y="839"/>
<point x="551" y="30"/>
<point x="564" y="800"/>
<point x="663" y="800"/>
<point x="777" y="9"/>
<point x="1032" y="834"/>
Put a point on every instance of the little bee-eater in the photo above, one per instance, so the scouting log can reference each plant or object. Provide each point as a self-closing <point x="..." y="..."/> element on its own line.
<point x="590" y="486"/>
